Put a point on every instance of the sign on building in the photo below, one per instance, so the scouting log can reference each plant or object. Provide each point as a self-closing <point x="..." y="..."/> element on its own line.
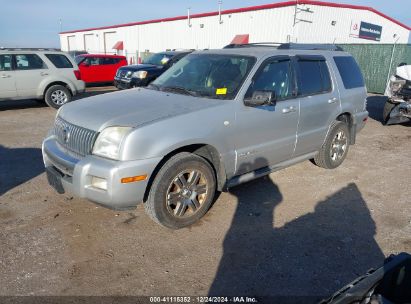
<point x="365" y="30"/>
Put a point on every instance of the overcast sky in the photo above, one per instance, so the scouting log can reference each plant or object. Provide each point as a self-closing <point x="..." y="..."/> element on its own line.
<point x="35" y="23"/>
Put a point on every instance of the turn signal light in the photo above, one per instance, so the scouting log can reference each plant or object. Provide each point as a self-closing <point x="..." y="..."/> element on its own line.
<point x="132" y="179"/>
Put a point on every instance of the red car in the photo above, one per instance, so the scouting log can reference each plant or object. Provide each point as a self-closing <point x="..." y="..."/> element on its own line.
<point x="99" y="68"/>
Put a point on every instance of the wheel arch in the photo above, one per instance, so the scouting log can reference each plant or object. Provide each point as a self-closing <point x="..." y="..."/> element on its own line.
<point x="348" y="118"/>
<point x="62" y="83"/>
<point x="206" y="151"/>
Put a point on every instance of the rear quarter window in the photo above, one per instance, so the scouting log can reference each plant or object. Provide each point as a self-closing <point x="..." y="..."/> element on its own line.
<point x="350" y="72"/>
<point x="60" y="61"/>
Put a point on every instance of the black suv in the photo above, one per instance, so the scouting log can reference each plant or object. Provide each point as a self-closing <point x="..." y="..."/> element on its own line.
<point x="140" y="75"/>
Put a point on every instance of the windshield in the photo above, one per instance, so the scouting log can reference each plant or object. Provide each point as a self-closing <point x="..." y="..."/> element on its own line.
<point x="157" y="59"/>
<point x="79" y="59"/>
<point x="206" y="75"/>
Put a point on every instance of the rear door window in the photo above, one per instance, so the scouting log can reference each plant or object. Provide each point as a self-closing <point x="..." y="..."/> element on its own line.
<point x="313" y="76"/>
<point x="29" y="62"/>
<point x="5" y="62"/>
<point x="60" y="61"/>
<point x="350" y="72"/>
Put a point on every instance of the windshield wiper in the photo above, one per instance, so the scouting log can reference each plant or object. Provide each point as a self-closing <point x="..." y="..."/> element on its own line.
<point x="181" y="90"/>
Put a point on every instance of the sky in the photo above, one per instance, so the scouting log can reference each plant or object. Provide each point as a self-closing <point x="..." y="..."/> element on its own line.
<point x="36" y="23"/>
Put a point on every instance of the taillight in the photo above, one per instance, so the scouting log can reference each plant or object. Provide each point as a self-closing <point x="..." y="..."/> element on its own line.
<point x="77" y="74"/>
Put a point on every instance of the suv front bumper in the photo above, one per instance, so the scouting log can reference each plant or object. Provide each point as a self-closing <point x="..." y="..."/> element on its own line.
<point x="69" y="174"/>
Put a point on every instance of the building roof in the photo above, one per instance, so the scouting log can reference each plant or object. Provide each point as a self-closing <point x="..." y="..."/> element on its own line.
<point x="248" y="9"/>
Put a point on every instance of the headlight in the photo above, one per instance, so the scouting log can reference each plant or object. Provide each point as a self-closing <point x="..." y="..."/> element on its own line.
<point x="109" y="141"/>
<point x="140" y="74"/>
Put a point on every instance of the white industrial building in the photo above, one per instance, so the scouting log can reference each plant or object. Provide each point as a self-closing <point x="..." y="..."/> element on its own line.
<point x="303" y="21"/>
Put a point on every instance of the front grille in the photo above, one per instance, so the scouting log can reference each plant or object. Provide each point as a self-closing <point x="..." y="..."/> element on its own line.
<point x="123" y="74"/>
<point x="76" y="139"/>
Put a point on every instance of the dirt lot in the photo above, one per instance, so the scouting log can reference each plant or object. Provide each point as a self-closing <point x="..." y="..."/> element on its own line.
<point x="303" y="231"/>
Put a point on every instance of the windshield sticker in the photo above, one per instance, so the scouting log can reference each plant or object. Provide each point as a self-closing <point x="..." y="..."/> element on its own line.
<point x="164" y="60"/>
<point x="221" y="91"/>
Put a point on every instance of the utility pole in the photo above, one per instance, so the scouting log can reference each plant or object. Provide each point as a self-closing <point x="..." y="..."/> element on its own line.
<point x="220" y="2"/>
<point x="297" y="11"/>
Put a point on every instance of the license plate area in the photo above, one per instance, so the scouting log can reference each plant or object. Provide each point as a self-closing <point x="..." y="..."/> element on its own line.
<point x="54" y="178"/>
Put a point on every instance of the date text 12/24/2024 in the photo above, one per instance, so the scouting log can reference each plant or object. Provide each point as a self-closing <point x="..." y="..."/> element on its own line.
<point x="203" y="300"/>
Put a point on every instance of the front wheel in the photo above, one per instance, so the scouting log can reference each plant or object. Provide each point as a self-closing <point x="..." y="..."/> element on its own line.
<point x="182" y="191"/>
<point x="57" y="96"/>
<point x="335" y="148"/>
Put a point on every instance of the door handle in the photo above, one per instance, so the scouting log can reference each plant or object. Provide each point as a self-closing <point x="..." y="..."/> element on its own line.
<point x="44" y="74"/>
<point x="289" y="110"/>
<point x="332" y="100"/>
<point x="5" y="76"/>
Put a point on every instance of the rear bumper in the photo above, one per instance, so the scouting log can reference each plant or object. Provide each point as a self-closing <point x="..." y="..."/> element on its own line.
<point x="76" y="176"/>
<point x="360" y="119"/>
<point x="80" y="87"/>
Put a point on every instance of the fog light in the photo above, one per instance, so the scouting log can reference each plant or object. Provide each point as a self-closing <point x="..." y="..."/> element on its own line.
<point x="98" y="182"/>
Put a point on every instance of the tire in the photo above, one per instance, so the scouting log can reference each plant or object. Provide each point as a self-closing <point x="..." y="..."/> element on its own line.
<point x="335" y="148"/>
<point x="57" y="96"/>
<point x="173" y="205"/>
<point x="388" y="106"/>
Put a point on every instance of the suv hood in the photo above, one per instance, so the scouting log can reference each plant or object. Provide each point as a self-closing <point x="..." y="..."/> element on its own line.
<point x="131" y="108"/>
<point x="139" y="67"/>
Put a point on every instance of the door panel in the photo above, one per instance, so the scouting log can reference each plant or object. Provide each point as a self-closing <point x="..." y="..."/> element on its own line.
<point x="267" y="134"/>
<point x="30" y="70"/>
<point x="7" y="78"/>
<point x="92" y="70"/>
<point x="319" y="104"/>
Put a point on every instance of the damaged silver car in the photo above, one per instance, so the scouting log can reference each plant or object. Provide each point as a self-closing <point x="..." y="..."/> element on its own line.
<point x="397" y="108"/>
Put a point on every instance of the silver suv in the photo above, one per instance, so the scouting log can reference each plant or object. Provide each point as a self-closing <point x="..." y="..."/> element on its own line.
<point x="216" y="119"/>
<point x="43" y="74"/>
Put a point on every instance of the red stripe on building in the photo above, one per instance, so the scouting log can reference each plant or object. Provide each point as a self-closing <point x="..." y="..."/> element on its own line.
<point x="248" y="9"/>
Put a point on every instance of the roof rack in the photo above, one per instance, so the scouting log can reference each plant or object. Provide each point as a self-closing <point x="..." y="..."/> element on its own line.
<point x="260" y="44"/>
<point x="309" y="46"/>
<point x="28" y="49"/>
<point x="288" y="46"/>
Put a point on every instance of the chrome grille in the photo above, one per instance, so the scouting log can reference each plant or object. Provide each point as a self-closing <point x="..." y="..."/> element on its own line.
<point x="74" y="138"/>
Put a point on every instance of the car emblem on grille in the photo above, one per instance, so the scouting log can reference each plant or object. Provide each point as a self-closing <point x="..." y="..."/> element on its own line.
<point x="66" y="135"/>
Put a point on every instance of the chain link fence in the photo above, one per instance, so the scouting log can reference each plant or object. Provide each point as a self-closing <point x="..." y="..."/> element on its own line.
<point x="375" y="61"/>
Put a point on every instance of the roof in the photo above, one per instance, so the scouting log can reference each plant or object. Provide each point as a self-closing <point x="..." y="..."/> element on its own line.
<point x="263" y="51"/>
<point x="102" y="55"/>
<point x="248" y="9"/>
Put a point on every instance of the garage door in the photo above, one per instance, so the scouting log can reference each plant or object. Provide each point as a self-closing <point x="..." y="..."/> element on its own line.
<point x="110" y="39"/>
<point x="71" y="43"/>
<point x="89" y="43"/>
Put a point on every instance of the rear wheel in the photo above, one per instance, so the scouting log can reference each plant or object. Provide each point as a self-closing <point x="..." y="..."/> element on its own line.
<point x="335" y="148"/>
<point x="182" y="191"/>
<point x="56" y="96"/>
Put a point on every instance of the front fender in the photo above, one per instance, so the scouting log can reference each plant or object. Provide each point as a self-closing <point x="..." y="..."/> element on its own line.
<point x="213" y="126"/>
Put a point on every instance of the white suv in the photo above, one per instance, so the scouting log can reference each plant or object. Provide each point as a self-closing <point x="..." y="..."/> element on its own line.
<point x="43" y="74"/>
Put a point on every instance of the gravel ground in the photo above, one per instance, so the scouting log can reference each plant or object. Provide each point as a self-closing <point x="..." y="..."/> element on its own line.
<point x="302" y="231"/>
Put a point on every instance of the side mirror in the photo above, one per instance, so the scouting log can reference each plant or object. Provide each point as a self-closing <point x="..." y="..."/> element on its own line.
<point x="261" y="98"/>
<point x="85" y="64"/>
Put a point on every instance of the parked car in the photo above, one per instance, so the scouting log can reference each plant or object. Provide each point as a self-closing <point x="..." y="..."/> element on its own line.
<point x="42" y="74"/>
<point x="215" y="119"/>
<point x="97" y="69"/>
<point x="140" y="75"/>
<point x="397" y="108"/>
<point x="76" y="53"/>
